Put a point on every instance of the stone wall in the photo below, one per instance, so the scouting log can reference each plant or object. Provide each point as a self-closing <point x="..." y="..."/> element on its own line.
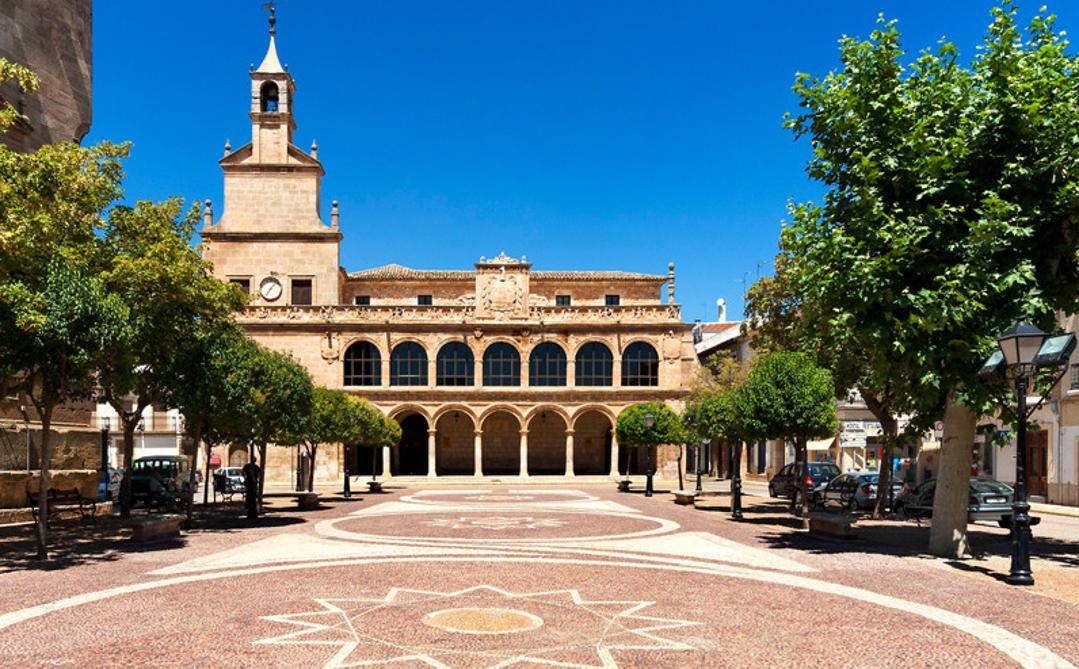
<point x="52" y="38"/>
<point x="13" y="485"/>
<point x="71" y="448"/>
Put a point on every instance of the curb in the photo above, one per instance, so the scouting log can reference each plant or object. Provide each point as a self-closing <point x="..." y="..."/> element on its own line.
<point x="1054" y="510"/>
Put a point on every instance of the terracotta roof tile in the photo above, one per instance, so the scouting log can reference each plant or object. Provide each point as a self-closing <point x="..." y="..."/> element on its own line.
<point x="395" y="272"/>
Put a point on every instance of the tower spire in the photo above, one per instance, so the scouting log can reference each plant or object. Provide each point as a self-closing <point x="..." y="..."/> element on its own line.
<point x="271" y="63"/>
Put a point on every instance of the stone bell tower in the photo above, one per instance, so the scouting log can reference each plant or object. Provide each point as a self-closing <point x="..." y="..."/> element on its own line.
<point x="270" y="238"/>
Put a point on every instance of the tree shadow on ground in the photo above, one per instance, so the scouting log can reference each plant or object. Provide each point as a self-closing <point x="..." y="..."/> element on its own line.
<point x="908" y="539"/>
<point x="75" y="542"/>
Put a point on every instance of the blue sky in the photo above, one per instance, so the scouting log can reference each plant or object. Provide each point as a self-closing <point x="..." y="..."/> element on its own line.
<point x="583" y="134"/>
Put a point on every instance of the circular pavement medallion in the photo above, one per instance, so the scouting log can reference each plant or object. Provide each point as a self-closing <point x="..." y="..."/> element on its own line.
<point x="483" y="621"/>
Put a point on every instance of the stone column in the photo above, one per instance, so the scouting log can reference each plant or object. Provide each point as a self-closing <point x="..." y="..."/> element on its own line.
<point x="571" y="372"/>
<point x="387" y="468"/>
<point x="478" y="453"/>
<point x="432" y="371"/>
<point x="384" y="379"/>
<point x="432" y="442"/>
<point x="477" y="370"/>
<point x="569" y="453"/>
<point x="614" y="453"/>
<point x="524" y="453"/>
<point x="616" y="372"/>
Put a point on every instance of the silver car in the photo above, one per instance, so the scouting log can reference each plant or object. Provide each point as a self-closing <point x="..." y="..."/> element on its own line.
<point x="852" y="491"/>
<point x="989" y="501"/>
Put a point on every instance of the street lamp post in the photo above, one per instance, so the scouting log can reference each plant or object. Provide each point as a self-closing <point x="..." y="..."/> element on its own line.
<point x="348" y="474"/>
<point x="1023" y="350"/>
<point x="699" y="462"/>
<point x="736" y="482"/>
<point x="649" y="421"/>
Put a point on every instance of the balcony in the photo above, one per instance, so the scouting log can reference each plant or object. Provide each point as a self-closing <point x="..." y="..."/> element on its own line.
<point x="438" y="313"/>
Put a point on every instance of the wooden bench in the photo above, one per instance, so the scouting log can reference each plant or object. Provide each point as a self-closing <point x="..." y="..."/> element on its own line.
<point x="307" y="500"/>
<point x="684" y="497"/>
<point x="623" y="485"/>
<point x="62" y="500"/>
<point x="831" y="525"/>
<point x="374" y="486"/>
<point x="155" y="527"/>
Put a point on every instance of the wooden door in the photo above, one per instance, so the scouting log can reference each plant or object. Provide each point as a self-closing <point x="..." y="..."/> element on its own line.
<point x="1037" y="463"/>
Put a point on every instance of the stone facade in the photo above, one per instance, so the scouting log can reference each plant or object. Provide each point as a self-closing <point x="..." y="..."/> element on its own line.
<point x="497" y="370"/>
<point x="52" y="38"/>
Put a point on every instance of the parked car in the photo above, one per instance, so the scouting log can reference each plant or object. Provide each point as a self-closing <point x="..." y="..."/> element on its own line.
<point x="108" y="486"/>
<point x="234" y="477"/>
<point x="853" y="491"/>
<point x="786" y="482"/>
<point x="167" y="466"/>
<point x="989" y="500"/>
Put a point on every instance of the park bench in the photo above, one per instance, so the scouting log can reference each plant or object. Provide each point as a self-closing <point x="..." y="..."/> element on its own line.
<point x="155" y="527"/>
<point x="224" y="487"/>
<point x="307" y="500"/>
<point x="684" y="497"/>
<point x="62" y="500"/>
<point x="623" y="485"/>
<point x="831" y="525"/>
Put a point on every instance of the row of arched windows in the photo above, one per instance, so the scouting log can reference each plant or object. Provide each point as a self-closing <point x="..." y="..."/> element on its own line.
<point x="455" y="365"/>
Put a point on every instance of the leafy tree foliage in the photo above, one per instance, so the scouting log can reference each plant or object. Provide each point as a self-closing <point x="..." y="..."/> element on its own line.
<point x="149" y="263"/>
<point x="632" y="430"/>
<point x="787" y="397"/>
<point x="950" y="212"/>
<point x="25" y="79"/>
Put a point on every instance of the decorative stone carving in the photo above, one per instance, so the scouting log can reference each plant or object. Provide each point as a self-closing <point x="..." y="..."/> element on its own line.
<point x="467" y="299"/>
<point x="672" y="347"/>
<point x="538" y="300"/>
<point x="478" y="333"/>
<point x="328" y="313"/>
<point x="331" y="346"/>
<point x="503" y="295"/>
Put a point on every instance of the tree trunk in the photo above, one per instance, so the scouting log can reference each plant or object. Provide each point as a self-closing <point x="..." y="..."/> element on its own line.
<point x="889" y="431"/>
<point x="128" y="458"/>
<point x="801" y="447"/>
<point x="191" y="483"/>
<point x="310" y="474"/>
<point x="948" y="533"/>
<point x="374" y="463"/>
<point x="45" y="414"/>
<point x="206" y="479"/>
<point x="681" y="485"/>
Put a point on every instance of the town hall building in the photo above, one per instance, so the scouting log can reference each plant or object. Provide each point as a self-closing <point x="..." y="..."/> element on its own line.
<point x="494" y="370"/>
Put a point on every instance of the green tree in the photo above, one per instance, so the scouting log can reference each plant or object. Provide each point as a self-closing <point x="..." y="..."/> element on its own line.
<point x="950" y="211"/>
<point x="149" y="262"/>
<point x="280" y="396"/>
<point x="335" y="418"/>
<point x="788" y="397"/>
<point x="210" y="386"/>
<point x="55" y="314"/>
<point x="374" y="430"/>
<point x="632" y="429"/>
<point x="53" y="334"/>
<point x="25" y="79"/>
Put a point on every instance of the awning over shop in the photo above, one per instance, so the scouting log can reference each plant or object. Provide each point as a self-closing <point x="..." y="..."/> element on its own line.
<point x="820" y="444"/>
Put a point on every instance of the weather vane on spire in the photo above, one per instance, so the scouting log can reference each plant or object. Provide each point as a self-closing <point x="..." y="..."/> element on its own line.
<point x="273" y="19"/>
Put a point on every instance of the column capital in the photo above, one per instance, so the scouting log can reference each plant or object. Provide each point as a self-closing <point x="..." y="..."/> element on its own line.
<point x="524" y="433"/>
<point x="477" y="433"/>
<point x="432" y="433"/>
<point x="569" y="433"/>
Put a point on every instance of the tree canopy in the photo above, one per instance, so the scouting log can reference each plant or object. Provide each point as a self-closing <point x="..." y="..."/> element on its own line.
<point x="666" y="428"/>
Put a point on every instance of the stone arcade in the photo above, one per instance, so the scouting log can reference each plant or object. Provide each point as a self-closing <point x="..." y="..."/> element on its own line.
<point x="494" y="371"/>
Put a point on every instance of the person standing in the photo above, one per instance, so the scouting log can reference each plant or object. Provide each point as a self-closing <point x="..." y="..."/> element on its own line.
<point x="251" y="488"/>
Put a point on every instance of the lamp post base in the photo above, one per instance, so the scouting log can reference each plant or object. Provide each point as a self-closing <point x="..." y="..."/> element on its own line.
<point x="1019" y="579"/>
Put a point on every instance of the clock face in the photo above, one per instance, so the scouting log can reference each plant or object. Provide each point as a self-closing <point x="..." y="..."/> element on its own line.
<point x="270" y="288"/>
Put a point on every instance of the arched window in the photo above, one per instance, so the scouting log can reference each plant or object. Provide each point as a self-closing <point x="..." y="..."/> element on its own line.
<point x="408" y="365"/>
<point x="363" y="365"/>
<point x="547" y="365"/>
<point x="595" y="365"/>
<point x="455" y="365"/>
<point x="501" y="365"/>
<point x="268" y="97"/>
<point x="640" y="365"/>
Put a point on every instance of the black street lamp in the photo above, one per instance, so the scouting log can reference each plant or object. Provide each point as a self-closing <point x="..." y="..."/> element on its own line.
<point x="699" y="461"/>
<point x="348" y="474"/>
<point x="1024" y="349"/>
<point x="736" y="482"/>
<point x="649" y="421"/>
